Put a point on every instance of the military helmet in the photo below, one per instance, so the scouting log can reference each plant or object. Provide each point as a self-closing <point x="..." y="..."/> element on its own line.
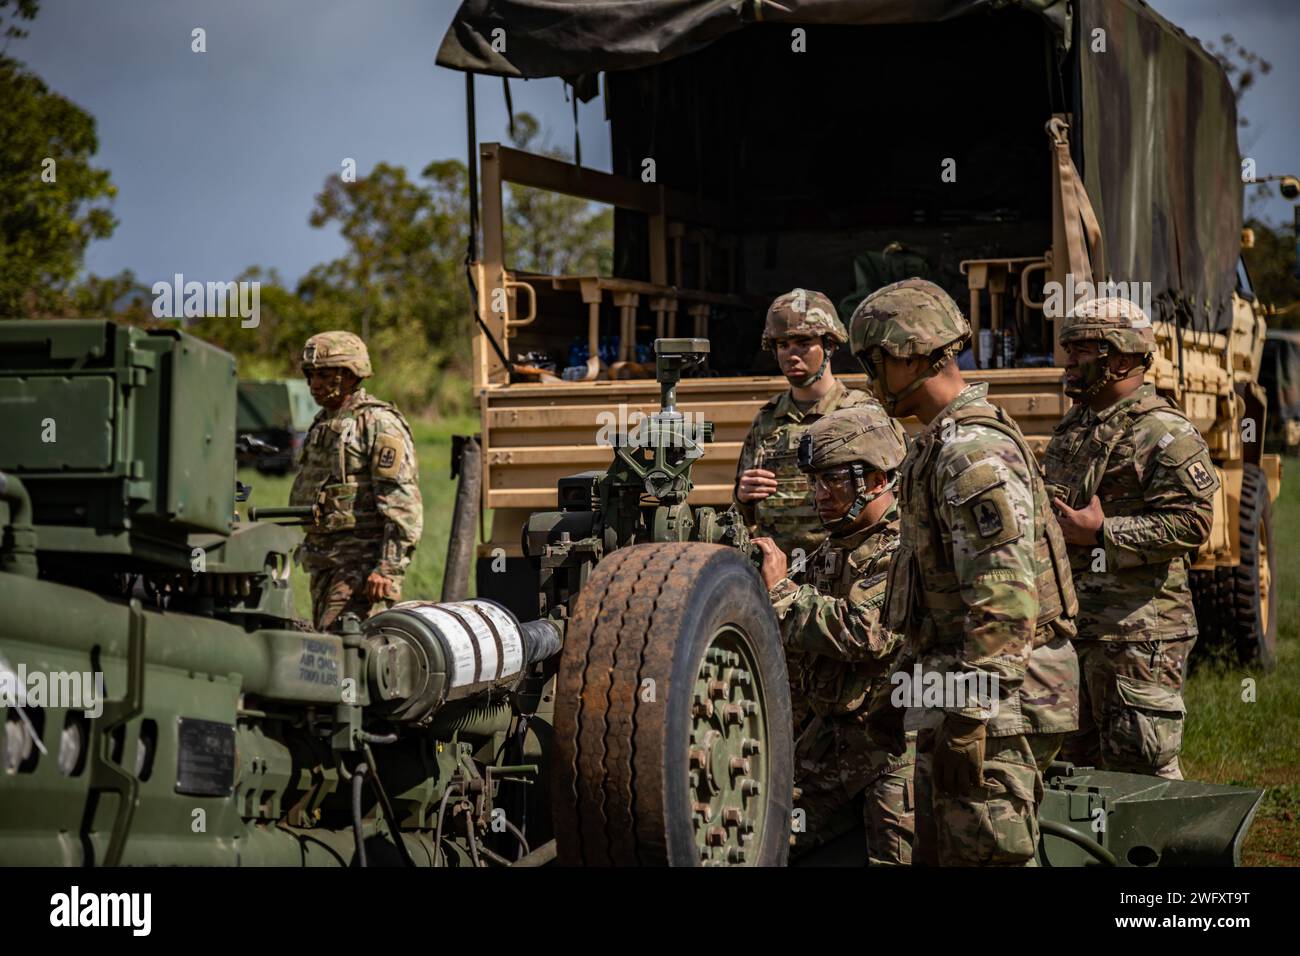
<point x="861" y="433"/>
<point x="337" y="350"/>
<point x="801" y="312"/>
<point x="910" y="318"/>
<point x="1120" y="323"/>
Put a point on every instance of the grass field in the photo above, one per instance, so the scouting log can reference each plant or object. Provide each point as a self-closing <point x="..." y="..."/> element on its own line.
<point x="1226" y="739"/>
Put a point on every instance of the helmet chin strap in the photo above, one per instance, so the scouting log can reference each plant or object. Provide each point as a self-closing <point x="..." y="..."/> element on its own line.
<point x="337" y="392"/>
<point x="1092" y="389"/>
<point x="862" y="498"/>
<point x="881" y="391"/>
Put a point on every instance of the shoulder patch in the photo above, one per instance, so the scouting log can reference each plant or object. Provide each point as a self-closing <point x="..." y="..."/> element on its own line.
<point x="983" y="504"/>
<point x="386" y="461"/>
<point x="1184" y="453"/>
<point x="1199" y="475"/>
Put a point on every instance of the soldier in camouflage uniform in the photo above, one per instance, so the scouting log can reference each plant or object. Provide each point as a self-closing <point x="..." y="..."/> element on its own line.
<point x="358" y="468"/>
<point x="1134" y="486"/>
<point x="803" y="331"/>
<point x="980" y="579"/>
<point x="833" y="618"/>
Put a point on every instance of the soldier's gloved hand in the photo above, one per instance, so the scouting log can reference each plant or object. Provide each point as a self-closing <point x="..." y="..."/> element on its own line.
<point x="959" y="755"/>
<point x="378" y="587"/>
<point x="885" y="721"/>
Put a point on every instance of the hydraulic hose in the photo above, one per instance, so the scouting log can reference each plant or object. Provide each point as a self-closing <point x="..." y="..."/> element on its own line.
<point x="1096" y="850"/>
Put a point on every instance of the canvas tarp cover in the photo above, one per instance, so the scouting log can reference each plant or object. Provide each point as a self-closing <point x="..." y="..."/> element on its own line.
<point x="1160" y="161"/>
<point x="534" y="38"/>
<point x="1159" y="157"/>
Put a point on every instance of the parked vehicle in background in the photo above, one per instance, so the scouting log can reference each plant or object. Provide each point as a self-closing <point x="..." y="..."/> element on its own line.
<point x="1280" y="377"/>
<point x="1038" y="182"/>
<point x="278" y="412"/>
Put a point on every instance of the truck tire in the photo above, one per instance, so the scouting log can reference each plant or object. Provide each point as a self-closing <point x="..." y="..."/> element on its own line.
<point x="1251" y="596"/>
<point x="1236" y="608"/>
<point x="672" y="715"/>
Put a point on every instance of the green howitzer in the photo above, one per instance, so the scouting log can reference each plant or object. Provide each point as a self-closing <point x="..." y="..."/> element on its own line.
<point x="166" y="705"/>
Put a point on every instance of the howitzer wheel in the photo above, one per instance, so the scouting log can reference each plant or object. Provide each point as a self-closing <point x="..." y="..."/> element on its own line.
<point x="672" y="715"/>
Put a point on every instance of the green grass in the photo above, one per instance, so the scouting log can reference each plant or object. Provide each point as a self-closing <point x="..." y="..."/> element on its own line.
<point x="1257" y="744"/>
<point x="433" y="445"/>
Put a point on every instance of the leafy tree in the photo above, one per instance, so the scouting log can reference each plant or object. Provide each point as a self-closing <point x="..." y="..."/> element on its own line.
<point x="49" y="193"/>
<point x="1272" y="263"/>
<point x="21" y="10"/>
<point x="549" y="232"/>
<point x="121" y="296"/>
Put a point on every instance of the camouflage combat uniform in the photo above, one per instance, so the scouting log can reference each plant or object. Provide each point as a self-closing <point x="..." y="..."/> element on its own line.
<point x="1152" y="471"/>
<point x="358" y="466"/>
<point x="834" y="620"/>
<point x="980" y="580"/>
<point x="787" y="515"/>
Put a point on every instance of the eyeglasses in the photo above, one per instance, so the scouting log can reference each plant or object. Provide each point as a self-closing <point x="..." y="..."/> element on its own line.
<point x="827" y="479"/>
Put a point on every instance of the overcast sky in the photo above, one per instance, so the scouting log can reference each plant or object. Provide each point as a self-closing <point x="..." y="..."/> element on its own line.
<point x="217" y="156"/>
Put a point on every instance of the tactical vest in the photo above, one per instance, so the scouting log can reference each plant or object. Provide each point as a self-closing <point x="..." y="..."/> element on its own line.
<point x="835" y="687"/>
<point x="1076" y="467"/>
<point x="1094" y="455"/>
<point x="335" y="473"/>
<point x="919" y="492"/>
<point x="789" y="515"/>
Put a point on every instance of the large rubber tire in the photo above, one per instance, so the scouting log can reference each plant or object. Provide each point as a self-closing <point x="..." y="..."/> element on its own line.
<point x="1236" y="608"/>
<point x="637" y="762"/>
<point x="1253" y="595"/>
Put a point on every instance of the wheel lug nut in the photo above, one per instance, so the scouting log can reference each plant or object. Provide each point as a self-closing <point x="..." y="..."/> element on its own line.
<point x="736" y="854"/>
<point x="718" y="689"/>
<point x="750" y="746"/>
<point x="733" y="714"/>
<point x="741" y="676"/>
<point x="750" y="787"/>
<point x="750" y="707"/>
<point x="702" y="709"/>
<point x="716" y="655"/>
<point x="704" y="810"/>
<point x="732" y="817"/>
<point x="716" y="836"/>
<point x="695" y="779"/>
<point x="696" y="756"/>
<point x="740" y="765"/>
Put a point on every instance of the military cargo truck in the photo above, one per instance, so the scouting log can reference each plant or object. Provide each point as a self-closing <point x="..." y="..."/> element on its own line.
<point x="1010" y="152"/>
